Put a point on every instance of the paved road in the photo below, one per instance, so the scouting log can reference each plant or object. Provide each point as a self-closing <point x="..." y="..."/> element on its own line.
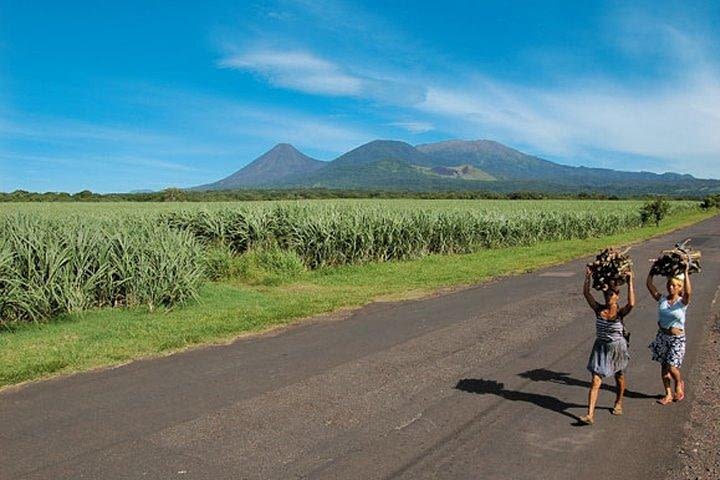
<point x="482" y="383"/>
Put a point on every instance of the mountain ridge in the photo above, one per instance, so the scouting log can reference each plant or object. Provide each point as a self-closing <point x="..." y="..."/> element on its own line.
<point x="446" y="165"/>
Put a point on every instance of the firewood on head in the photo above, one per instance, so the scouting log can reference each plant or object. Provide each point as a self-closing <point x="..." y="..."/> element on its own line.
<point x="671" y="263"/>
<point x="610" y="269"/>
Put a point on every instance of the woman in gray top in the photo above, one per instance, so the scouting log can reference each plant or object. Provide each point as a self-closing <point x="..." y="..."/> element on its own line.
<point x="609" y="355"/>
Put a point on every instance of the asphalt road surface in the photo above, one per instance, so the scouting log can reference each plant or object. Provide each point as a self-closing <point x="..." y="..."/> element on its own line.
<point x="483" y="383"/>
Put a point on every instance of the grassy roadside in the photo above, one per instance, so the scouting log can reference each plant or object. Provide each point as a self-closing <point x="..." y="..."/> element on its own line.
<point x="107" y="337"/>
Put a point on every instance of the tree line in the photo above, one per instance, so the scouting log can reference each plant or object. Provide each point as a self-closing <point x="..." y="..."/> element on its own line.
<point x="180" y="195"/>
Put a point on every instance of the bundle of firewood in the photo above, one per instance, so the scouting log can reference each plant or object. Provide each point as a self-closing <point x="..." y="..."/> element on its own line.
<point x="610" y="268"/>
<point x="671" y="263"/>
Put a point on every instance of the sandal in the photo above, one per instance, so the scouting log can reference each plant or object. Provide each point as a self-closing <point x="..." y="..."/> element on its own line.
<point x="586" y="420"/>
<point x="665" y="401"/>
<point x="617" y="410"/>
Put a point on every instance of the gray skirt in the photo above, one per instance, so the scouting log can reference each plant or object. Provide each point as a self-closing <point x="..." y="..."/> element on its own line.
<point x="608" y="358"/>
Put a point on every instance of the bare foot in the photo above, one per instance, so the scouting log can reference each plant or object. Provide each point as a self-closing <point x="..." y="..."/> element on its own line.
<point x="680" y="392"/>
<point x="617" y="409"/>
<point x="665" y="400"/>
<point x="587" y="420"/>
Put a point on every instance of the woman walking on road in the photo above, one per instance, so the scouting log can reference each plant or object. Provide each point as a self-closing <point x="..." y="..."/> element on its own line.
<point x="668" y="348"/>
<point x="609" y="355"/>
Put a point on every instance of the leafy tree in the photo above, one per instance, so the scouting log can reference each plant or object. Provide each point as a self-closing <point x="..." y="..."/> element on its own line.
<point x="84" y="195"/>
<point x="173" y="195"/>
<point x="654" y="210"/>
<point x="711" y="201"/>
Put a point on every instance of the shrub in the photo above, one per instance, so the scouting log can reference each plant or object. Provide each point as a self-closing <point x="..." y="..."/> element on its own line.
<point x="218" y="262"/>
<point x="711" y="201"/>
<point x="654" y="210"/>
<point x="268" y="266"/>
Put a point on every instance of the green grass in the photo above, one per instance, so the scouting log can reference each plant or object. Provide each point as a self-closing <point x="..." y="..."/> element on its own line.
<point x="227" y="309"/>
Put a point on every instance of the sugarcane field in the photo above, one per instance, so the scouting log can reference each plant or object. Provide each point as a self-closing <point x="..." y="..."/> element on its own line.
<point x="70" y="258"/>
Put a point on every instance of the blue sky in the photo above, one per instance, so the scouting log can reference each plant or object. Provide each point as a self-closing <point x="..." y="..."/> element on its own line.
<point x="116" y="96"/>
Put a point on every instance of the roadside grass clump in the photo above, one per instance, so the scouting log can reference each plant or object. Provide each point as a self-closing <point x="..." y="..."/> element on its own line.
<point x="218" y="262"/>
<point x="50" y="267"/>
<point x="268" y="266"/>
<point x="265" y="263"/>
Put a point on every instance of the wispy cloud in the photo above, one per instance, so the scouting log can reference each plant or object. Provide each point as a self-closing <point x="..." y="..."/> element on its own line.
<point x="308" y="72"/>
<point x="96" y="161"/>
<point x="297" y="70"/>
<point x="352" y="27"/>
<point x="413" y="127"/>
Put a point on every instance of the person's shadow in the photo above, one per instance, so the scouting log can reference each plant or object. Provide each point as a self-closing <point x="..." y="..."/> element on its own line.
<point x="544" y="375"/>
<point x="493" y="387"/>
<point x="483" y="387"/>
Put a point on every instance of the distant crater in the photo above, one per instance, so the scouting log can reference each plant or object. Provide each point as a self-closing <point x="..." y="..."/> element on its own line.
<point x="467" y="172"/>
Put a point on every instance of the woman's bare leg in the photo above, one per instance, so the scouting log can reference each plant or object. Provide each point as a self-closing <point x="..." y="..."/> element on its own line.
<point x="679" y="385"/>
<point x="620" y="383"/>
<point x="592" y="396"/>
<point x="667" y="383"/>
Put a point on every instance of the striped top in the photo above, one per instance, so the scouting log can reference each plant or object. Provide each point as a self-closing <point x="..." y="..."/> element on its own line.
<point x="608" y="331"/>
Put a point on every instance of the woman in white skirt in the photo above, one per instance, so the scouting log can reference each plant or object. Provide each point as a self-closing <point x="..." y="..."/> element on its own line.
<point x="609" y="356"/>
<point x="668" y="348"/>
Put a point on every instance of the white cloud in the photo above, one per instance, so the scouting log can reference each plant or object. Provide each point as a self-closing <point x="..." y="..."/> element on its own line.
<point x="297" y="70"/>
<point x="309" y="73"/>
<point x="414" y="127"/>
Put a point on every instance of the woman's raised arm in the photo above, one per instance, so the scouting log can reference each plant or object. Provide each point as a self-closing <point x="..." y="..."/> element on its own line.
<point x="631" y="295"/>
<point x="651" y="287"/>
<point x="586" y="291"/>
<point x="687" y="287"/>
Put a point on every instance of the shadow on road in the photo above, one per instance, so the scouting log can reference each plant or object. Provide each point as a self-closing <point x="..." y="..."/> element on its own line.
<point x="482" y="387"/>
<point x="544" y="375"/>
